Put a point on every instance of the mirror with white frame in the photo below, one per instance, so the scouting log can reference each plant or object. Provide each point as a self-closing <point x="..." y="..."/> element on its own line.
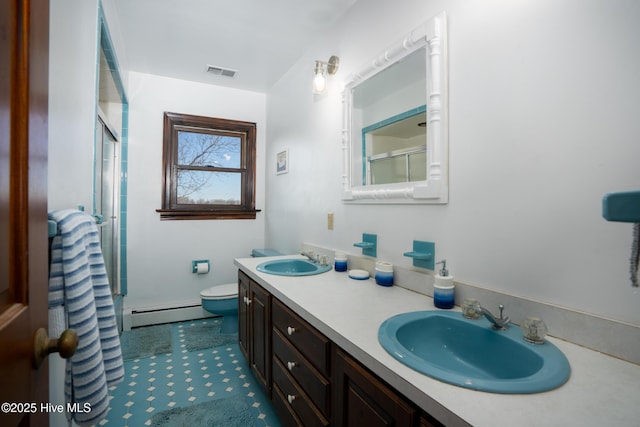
<point x="395" y="136"/>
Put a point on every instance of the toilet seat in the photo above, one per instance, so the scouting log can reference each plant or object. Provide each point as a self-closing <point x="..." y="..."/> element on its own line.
<point x="230" y="290"/>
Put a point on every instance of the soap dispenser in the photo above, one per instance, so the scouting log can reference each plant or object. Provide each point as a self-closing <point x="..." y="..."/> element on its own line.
<point x="443" y="288"/>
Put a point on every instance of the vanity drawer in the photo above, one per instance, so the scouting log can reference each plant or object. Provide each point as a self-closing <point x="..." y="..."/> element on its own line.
<point x="308" y="378"/>
<point x="314" y="346"/>
<point x="293" y="398"/>
<point x="286" y="414"/>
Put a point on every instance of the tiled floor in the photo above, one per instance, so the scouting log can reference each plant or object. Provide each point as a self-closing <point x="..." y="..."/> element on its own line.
<point x="182" y="378"/>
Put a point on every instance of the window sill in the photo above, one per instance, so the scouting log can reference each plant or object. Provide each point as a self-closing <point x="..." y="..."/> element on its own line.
<point x="173" y="214"/>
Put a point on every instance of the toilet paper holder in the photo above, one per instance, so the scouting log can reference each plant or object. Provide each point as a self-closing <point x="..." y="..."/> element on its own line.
<point x="201" y="266"/>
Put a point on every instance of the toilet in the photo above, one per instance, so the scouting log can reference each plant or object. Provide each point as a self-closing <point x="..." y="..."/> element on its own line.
<point x="223" y="299"/>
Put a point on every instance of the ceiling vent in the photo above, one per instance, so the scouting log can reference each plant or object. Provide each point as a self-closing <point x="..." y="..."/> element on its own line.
<point x="220" y="71"/>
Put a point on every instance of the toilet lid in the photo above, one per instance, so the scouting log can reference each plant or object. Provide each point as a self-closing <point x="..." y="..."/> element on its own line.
<point x="220" y="291"/>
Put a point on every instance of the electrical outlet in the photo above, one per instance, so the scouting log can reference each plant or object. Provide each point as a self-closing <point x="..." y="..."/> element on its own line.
<point x="330" y="221"/>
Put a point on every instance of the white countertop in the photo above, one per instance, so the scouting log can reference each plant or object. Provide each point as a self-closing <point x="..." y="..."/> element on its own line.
<point x="602" y="390"/>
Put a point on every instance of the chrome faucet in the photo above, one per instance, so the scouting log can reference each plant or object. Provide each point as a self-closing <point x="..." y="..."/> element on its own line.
<point x="311" y="255"/>
<point x="500" y="323"/>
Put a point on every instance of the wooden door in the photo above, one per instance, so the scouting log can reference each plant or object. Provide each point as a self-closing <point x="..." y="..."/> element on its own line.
<point x="24" y="68"/>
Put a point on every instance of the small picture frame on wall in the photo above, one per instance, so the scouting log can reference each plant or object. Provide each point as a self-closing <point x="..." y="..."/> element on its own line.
<point x="282" y="162"/>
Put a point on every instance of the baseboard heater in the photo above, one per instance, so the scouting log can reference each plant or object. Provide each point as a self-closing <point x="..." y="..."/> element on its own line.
<point x="134" y="318"/>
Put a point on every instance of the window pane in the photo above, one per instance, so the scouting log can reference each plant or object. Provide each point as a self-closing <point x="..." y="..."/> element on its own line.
<point x="208" y="188"/>
<point x="209" y="149"/>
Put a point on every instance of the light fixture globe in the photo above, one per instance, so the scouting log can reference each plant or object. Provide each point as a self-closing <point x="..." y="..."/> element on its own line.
<point x="319" y="82"/>
<point x="320" y="73"/>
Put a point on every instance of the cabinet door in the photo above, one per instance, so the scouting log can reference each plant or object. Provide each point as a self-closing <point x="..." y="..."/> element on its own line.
<point x="259" y="334"/>
<point x="361" y="399"/>
<point x="243" y="313"/>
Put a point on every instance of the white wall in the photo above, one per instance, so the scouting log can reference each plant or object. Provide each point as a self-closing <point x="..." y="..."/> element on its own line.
<point x="543" y="122"/>
<point x="160" y="252"/>
<point x="73" y="53"/>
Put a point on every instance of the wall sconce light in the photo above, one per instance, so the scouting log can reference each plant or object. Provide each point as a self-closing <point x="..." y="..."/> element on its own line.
<point x="321" y="71"/>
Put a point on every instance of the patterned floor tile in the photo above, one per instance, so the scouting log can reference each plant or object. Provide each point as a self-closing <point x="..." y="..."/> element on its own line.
<point x="182" y="378"/>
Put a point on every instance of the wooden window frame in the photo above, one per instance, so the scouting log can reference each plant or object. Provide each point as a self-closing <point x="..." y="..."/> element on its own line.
<point x="171" y="209"/>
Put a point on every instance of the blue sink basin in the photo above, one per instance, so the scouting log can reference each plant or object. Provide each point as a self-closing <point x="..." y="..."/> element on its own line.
<point x="292" y="267"/>
<point x="470" y="354"/>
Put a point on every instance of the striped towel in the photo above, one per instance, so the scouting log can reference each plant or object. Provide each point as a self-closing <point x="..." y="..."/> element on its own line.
<point x="80" y="298"/>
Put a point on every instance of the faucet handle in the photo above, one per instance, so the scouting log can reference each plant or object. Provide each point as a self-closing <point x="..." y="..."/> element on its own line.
<point x="534" y="330"/>
<point x="505" y="320"/>
<point x="471" y="309"/>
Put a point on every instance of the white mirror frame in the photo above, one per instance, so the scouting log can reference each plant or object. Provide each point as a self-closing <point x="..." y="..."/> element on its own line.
<point x="435" y="190"/>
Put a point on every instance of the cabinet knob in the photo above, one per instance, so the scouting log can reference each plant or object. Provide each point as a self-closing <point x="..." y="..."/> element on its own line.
<point x="291" y="330"/>
<point x="291" y="398"/>
<point x="248" y="301"/>
<point x="291" y="365"/>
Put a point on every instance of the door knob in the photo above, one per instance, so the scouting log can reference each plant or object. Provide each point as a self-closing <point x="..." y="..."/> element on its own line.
<point x="66" y="345"/>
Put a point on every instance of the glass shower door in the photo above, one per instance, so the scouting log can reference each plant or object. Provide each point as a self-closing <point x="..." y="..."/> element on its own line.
<point x="107" y="185"/>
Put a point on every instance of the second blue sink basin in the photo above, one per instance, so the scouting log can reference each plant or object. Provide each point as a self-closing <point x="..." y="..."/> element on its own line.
<point x="292" y="267"/>
<point x="470" y="354"/>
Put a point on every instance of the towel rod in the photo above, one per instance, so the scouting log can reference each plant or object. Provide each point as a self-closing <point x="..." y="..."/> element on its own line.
<point x="52" y="225"/>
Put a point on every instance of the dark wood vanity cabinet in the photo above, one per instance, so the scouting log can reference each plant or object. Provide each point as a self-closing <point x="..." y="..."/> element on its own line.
<point x="311" y="381"/>
<point x="254" y="320"/>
